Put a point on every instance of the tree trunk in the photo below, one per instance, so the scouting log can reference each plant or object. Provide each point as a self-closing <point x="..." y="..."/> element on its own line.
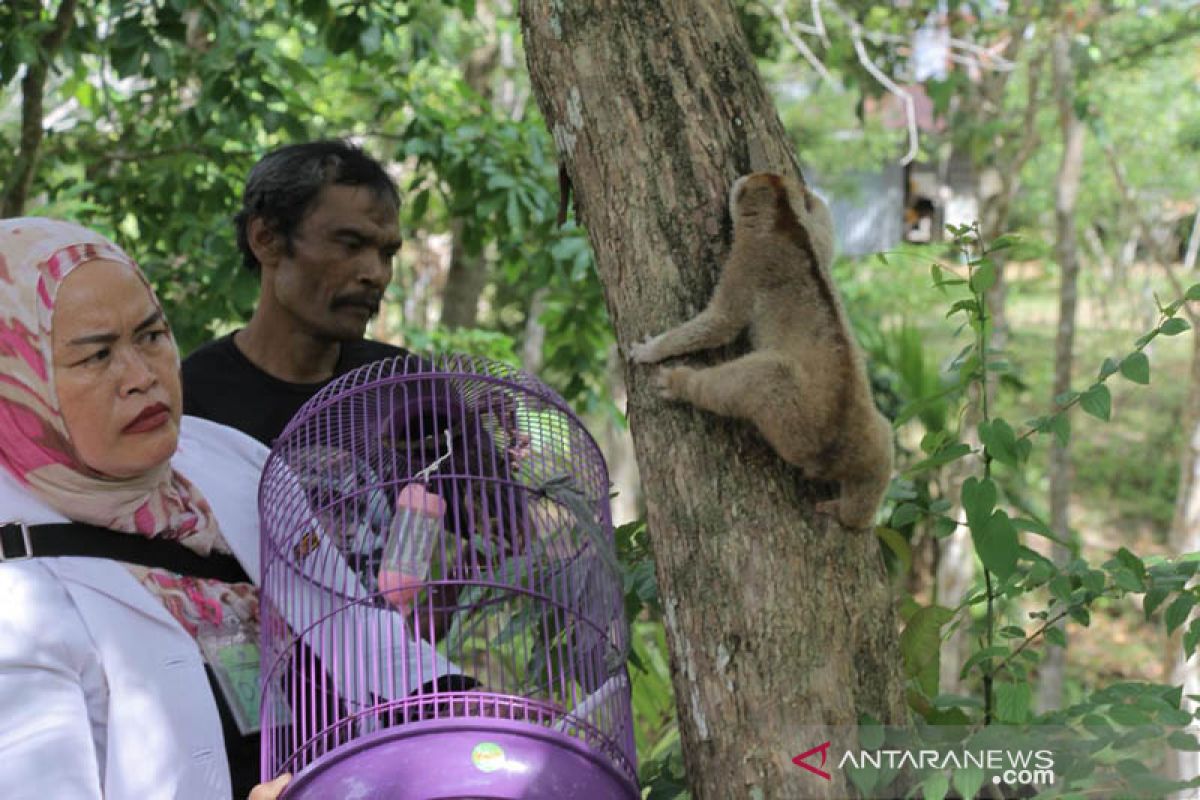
<point x="1066" y="252"/>
<point x="468" y="274"/>
<point x="780" y="624"/>
<point x="465" y="280"/>
<point x="1185" y="530"/>
<point x="33" y="87"/>
<point x="1185" y="538"/>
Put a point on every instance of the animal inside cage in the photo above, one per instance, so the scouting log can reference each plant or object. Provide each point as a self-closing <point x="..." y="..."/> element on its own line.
<point x="442" y="611"/>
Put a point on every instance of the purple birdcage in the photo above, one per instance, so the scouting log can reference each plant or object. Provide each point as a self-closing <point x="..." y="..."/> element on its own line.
<point x="442" y="610"/>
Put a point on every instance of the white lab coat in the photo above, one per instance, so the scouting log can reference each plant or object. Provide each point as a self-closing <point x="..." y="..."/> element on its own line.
<point x="102" y="693"/>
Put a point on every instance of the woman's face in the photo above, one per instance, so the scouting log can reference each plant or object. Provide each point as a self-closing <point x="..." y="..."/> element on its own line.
<point x="116" y="370"/>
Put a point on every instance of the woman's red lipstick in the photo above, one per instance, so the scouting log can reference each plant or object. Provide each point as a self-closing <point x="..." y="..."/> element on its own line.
<point x="152" y="417"/>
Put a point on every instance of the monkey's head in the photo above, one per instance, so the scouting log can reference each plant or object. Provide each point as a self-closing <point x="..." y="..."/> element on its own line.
<point x="766" y="201"/>
<point x="756" y="197"/>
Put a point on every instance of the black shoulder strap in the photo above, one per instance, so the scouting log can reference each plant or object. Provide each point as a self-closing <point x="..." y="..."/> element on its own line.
<point x="19" y="542"/>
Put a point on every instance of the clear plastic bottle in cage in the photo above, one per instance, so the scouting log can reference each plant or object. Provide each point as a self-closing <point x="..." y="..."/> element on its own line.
<point x="409" y="548"/>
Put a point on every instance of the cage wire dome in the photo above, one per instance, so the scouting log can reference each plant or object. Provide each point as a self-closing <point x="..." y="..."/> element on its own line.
<point x="442" y="611"/>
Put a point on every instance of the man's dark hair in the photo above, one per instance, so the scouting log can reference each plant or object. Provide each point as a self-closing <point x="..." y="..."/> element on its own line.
<point x="283" y="186"/>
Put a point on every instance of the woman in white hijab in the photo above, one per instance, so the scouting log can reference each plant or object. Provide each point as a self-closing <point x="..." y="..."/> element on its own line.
<point x="103" y="692"/>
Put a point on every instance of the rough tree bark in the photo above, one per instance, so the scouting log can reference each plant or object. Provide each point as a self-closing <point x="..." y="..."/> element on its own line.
<point x="33" y="87"/>
<point x="1066" y="253"/>
<point x="780" y="624"/>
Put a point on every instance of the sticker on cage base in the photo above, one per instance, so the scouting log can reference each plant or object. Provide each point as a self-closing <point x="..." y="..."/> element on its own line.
<point x="409" y="548"/>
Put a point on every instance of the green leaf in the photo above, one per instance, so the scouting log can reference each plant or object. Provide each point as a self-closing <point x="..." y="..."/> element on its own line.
<point x="1184" y="741"/>
<point x="986" y="654"/>
<point x="1066" y="398"/>
<point x="1109" y="367"/>
<point x="1098" y="402"/>
<point x="1174" y="717"/>
<point x="1060" y="426"/>
<point x="997" y="544"/>
<point x="1193" y="292"/>
<point x="1001" y="442"/>
<point x="983" y="277"/>
<point x="969" y="305"/>
<point x="1136" y="367"/>
<point x="1093" y="581"/>
<point x="935" y="786"/>
<point x="1128" y="581"/>
<point x="899" y="546"/>
<point x="920" y="646"/>
<point x="978" y="498"/>
<point x="1132" y="716"/>
<point x="870" y="734"/>
<point x="968" y="780"/>
<point x="1035" y="526"/>
<point x="1174" y="326"/>
<point x="1005" y="241"/>
<point x="1177" y="612"/>
<point x="1153" y="599"/>
<point x="906" y="514"/>
<point x="1060" y="587"/>
<point x="864" y="777"/>
<point x="1013" y="701"/>
<point x="1055" y="635"/>
<point x="949" y="454"/>
<point x="1132" y="562"/>
<point x="371" y="39"/>
<point x="1191" y="638"/>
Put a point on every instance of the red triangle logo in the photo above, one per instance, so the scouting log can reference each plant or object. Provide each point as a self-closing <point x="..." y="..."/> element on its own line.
<point x="823" y="749"/>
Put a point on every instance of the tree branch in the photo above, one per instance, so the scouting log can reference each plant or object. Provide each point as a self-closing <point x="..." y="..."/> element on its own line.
<point x="33" y="87"/>
<point x="1142" y="228"/>
<point x="777" y="10"/>
<point x="1183" y="32"/>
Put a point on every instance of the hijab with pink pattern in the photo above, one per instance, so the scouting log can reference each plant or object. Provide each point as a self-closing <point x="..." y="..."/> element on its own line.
<point x="35" y="446"/>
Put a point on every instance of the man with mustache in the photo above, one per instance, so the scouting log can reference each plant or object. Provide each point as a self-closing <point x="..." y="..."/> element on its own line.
<point x="319" y="224"/>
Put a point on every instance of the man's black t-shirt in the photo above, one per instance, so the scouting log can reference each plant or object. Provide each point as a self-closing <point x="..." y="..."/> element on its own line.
<point x="221" y="384"/>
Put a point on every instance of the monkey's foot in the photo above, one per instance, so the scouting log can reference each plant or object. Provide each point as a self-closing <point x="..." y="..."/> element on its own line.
<point x="833" y="508"/>
<point x="670" y="382"/>
<point x="645" y="352"/>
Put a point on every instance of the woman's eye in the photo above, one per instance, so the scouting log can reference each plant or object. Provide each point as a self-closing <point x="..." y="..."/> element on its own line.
<point x="97" y="357"/>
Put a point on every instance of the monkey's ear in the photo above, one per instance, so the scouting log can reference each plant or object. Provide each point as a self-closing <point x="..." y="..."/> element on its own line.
<point x="265" y="242"/>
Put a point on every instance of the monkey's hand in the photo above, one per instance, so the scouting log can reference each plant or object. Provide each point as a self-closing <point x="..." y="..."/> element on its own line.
<point x="670" y="382"/>
<point x="646" y="352"/>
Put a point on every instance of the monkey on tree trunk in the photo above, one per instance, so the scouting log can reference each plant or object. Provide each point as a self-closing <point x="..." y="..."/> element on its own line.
<point x="804" y="384"/>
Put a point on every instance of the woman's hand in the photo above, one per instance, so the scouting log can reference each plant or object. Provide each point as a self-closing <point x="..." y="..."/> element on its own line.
<point x="271" y="789"/>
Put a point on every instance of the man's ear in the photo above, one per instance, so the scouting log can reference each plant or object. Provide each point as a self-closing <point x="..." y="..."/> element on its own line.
<point x="265" y="242"/>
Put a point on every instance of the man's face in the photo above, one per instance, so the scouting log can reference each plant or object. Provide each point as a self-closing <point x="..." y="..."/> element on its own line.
<point x="332" y="281"/>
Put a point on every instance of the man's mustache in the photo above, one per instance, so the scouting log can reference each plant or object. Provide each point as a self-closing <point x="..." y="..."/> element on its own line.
<point x="369" y="300"/>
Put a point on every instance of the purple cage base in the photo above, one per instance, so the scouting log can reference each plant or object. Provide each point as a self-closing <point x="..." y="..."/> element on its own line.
<point x="463" y="759"/>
